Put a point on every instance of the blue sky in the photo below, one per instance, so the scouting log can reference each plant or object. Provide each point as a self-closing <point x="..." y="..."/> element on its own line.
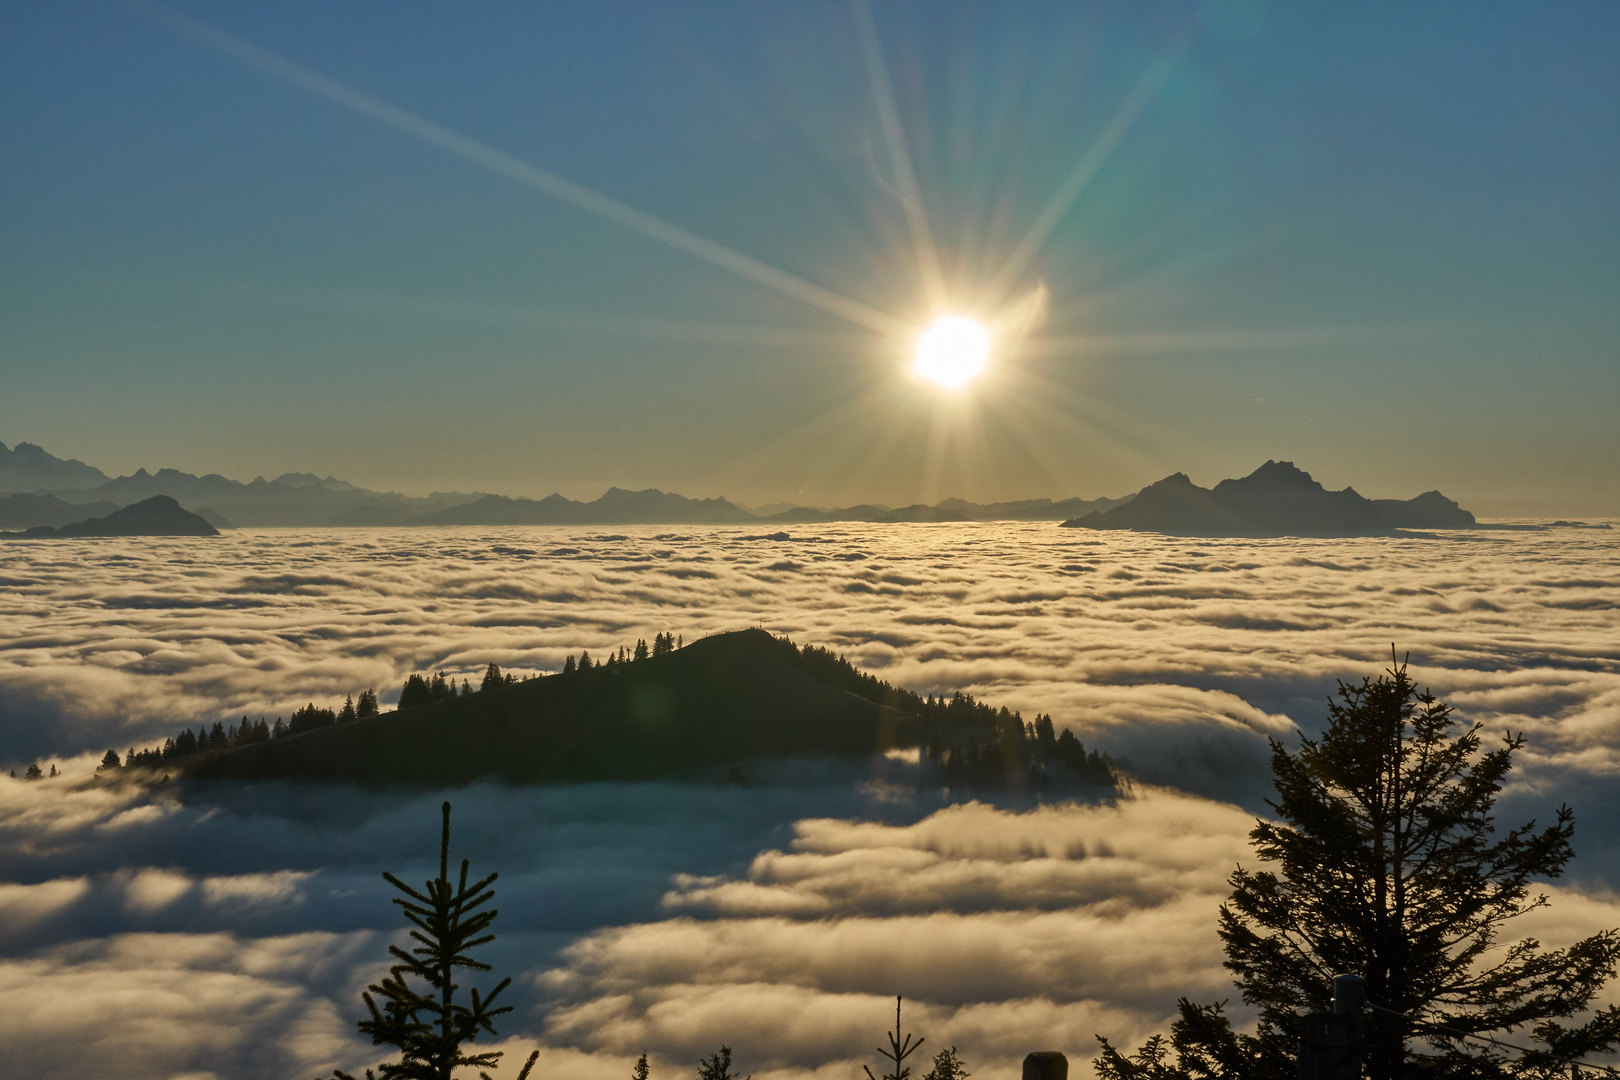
<point x="1379" y="240"/>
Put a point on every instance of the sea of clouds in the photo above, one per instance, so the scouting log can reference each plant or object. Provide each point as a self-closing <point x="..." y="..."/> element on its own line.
<point x="228" y="933"/>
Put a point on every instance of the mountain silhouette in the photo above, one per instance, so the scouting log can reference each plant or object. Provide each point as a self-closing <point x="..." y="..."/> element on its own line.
<point x="294" y="499"/>
<point x="719" y="701"/>
<point x="26" y="511"/>
<point x="157" y="516"/>
<point x="1277" y="499"/>
<point x="30" y="468"/>
<point x="947" y="510"/>
<point x="615" y="507"/>
<point x="1430" y="510"/>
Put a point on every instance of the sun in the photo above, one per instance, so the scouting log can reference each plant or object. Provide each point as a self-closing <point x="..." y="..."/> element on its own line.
<point x="952" y="351"/>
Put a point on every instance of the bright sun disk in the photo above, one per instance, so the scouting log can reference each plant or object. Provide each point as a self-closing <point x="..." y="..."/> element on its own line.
<point x="952" y="351"/>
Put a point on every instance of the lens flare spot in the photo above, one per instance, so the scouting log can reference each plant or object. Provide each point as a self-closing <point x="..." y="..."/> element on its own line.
<point x="952" y="351"/>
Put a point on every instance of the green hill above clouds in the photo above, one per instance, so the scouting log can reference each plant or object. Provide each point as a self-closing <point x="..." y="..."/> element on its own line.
<point x="697" y="711"/>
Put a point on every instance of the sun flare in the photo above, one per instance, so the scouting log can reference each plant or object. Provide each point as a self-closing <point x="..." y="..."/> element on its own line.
<point x="952" y="351"/>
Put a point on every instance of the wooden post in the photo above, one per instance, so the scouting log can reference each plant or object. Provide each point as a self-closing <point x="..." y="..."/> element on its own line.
<point x="1046" y="1065"/>
<point x="1330" y="1043"/>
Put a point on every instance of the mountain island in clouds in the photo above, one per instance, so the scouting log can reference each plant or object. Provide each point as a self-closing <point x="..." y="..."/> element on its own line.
<point x="1277" y="499"/>
<point x="720" y="703"/>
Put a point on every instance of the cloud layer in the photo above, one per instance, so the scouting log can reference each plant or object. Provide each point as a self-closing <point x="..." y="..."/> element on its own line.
<point x="230" y="935"/>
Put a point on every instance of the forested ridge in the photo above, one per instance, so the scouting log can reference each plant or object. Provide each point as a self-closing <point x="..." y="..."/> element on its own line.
<point x="641" y="712"/>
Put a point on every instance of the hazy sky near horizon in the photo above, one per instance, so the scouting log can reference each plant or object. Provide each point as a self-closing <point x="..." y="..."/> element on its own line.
<point x="1380" y="241"/>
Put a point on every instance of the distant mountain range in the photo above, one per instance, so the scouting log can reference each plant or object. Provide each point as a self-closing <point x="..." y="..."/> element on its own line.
<point x="157" y="516"/>
<point x="30" y="468"/>
<point x="54" y="492"/>
<point x="947" y="510"/>
<point x="27" y="511"/>
<point x="1277" y="499"/>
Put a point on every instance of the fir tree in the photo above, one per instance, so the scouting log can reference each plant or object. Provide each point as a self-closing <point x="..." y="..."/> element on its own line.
<point x="347" y="712"/>
<point x="366" y="706"/>
<point x="1044" y="732"/>
<point x="415" y="692"/>
<point x="492" y="678"/>
<point x="900" y="1048"/>
<point x="641" y="1070"/>
<point x="1385" y="862"/>
<point x="568" y="665"/>
<point x="947" y="1066"/>
<point x="109" y="760"/>
<point x="717" y="1066"/>
<point x="641" y="649"/>
<point x="430" y="1029"/>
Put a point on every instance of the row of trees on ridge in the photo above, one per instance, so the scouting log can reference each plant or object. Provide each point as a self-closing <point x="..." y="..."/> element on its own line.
<point x="221" y="737"/>
<point x="419" y="689"/>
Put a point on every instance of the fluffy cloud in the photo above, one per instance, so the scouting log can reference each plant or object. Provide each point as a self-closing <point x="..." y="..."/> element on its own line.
<point x="1181" y="653"/>
<point x="229" y="932"/>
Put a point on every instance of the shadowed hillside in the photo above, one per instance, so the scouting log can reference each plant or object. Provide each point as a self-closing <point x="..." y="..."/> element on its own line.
<point x="699" y="709"/>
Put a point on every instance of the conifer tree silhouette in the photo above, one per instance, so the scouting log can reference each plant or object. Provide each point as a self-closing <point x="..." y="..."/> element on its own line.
<point x="429" y="1028"/>
<point x="1385" y="861"/>
<point x="641" y="1071"/>
<point x="900" y="1048"/>
<point x="948" y="1066"/>
<point x="717" y="1066"/>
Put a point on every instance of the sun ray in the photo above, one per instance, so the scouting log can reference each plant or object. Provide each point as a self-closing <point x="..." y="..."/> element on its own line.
<point x="922" y="237"/>
<point x="513" y="168"/>
<point x="1006" y="279"/>
<point x="1202" y="341"/>
<point x="451" y="309"/>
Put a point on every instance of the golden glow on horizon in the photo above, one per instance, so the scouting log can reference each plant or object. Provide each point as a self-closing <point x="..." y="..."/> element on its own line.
<point x="952" y="352"/>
